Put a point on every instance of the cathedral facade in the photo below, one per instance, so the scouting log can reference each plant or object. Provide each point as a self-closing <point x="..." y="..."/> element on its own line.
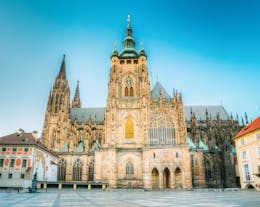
<point x="143" y="138"/>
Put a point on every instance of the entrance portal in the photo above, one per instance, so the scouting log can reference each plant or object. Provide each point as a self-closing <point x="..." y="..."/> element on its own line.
<point x="178" y="179"/>
<point x="155" y="179"/>
<point x="166" y="178"/>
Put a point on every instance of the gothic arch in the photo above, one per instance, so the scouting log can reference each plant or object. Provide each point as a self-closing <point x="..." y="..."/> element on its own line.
<point x="178" y="178"/>
<point x="155" y="178"/>
<point x="166" y="178"/>
<point x="62" y="170"/>
<point x="129" y="128"/>
<point x="77" y="170"/>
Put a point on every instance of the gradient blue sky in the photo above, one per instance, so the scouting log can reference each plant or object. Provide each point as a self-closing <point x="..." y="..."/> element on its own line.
<point x="208" y="50"/>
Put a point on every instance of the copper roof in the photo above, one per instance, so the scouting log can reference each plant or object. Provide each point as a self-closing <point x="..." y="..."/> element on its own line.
<point x="249" y="128"/>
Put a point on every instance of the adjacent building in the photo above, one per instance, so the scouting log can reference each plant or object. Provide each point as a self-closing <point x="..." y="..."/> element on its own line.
<point x="248" y="155"/>
<point x="21" y="156"/>
<point x="143" y="137"/>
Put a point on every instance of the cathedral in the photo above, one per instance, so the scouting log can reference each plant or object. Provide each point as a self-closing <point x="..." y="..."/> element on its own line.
<point x="143" y="137"/>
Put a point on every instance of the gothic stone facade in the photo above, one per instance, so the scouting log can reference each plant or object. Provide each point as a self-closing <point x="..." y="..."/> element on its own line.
<point x="143" y="138"/>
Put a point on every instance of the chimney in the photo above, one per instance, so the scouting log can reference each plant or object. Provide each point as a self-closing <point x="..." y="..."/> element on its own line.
<point x="35" y="134"/>
<point x="20" y="132"/>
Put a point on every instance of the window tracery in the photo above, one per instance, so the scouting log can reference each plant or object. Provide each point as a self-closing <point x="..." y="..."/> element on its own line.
<point x="161" y="131"/>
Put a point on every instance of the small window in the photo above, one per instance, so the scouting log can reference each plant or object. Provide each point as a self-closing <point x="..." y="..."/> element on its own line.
<point x="12" y="163"/>
<point x="22" y="176"/>
<point x="10" y="176"/>
<point x="3" y="149"/>
<point x="258" y="169"/>
<point x="242" y="141"/>
<point x="1" y="162"/>
<point x="14" y="149"/>
<point x="258" y="151"/>
<point x="128" y="62"/>
<point x="244" y="155"/>
<point x="177" y="154"/>
<point x="122" y="62"/>
<point x="24" y="163"/>
<point x="257" y="136"/>
<point x="154" y="155"/>
<point x="26" y="149"/>
<point x="135" y="61"/>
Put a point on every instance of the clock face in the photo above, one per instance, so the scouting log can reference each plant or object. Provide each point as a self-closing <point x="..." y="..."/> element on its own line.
<point x="129" y="82"/>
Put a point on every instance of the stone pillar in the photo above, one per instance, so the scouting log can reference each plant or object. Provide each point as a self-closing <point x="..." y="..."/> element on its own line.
<point x="103" y="186"/>
<point x="160" y="180"/>
<point x="172" y="178"/>
<point x="74" y="186"/>
<point x="89" y="186"/>
<point x="60" y="186"/>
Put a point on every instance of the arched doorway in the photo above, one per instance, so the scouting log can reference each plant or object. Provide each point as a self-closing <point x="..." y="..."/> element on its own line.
<point x="166" y="178"/>
<point x="178" y="178"/>
<point x="155" y="179"/>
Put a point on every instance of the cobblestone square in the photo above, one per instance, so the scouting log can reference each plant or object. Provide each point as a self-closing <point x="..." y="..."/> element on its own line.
<point x="116" y="198"/>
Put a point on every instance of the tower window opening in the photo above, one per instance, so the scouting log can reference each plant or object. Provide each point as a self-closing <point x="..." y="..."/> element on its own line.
<point x="122" y="62"/>
<point x="128" y="62"/>
<point x="135" y="61"/>
<point x="126" y="91"/>
<point x="131" y="91"/>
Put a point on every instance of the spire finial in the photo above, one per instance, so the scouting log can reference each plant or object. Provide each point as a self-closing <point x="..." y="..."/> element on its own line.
<point x="62" y="73"/>
<point x="128" y="20"/>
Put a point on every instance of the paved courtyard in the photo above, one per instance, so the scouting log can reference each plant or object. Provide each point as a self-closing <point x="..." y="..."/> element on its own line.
<point x="122" y="198"/>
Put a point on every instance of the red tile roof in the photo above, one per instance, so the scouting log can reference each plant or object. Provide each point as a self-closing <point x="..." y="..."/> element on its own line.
<point x="18" y="139"/>
<point x="23" y="138"/>
<point x="249" y="128"/>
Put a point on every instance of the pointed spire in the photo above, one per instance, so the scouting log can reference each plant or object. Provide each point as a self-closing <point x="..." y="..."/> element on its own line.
<point x="76" y="103"/>
<point x="129" y="41"/>
<point x="62" y="73"/>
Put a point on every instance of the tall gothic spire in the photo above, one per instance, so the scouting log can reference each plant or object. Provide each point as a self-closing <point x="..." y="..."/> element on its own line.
<point x="62" y="73"/>
<point x="76" y="103"/>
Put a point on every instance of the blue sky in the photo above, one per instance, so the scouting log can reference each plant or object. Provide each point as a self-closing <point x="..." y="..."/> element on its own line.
<point x="208" y="50"/>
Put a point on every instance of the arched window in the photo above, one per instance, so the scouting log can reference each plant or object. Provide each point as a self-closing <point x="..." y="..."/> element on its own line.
<point x="62" y="170"/>
<point x="129" y="129"/>
<point x="207" y="168"/>
<point x="91" y="171"/>
<point x="129" y="168"/>
<point x="77" y="170"/>
<point x="126" y="91"/>
<point x="131" y="91"/>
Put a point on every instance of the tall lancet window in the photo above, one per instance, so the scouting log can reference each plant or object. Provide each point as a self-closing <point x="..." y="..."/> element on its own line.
<point x="129" y="128"/>
<point x="62" y="170"/>
<point x="129" y="168"/>
<point x="77" y="171"/>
